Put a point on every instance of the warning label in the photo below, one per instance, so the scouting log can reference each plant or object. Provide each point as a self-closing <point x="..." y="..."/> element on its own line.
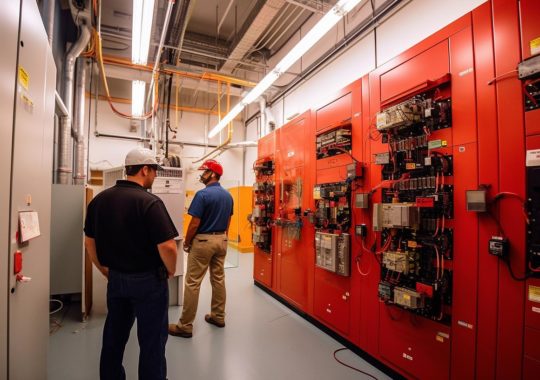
<point x="534" y="293"/>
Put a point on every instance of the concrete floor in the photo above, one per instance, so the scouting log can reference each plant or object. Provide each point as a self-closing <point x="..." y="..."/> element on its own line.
<point x="263" y="340"/>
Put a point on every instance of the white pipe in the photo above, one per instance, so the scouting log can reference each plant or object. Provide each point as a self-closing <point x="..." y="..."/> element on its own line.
<point x="224" y="15"/>
<point x="50" y="20"/>
<point x="160" y="46"/>
<point x="264" y="123"/>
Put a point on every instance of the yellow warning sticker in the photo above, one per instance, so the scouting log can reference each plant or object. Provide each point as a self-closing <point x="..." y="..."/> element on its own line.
<point x="410" y="166"/>
<point x="24" y="78"/>
<point x="535" y="46"/>
<point x="534" y="293"/>
<point x="412" y="244"/>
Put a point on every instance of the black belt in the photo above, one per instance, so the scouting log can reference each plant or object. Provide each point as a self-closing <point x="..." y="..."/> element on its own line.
<point x="212" y="233"/>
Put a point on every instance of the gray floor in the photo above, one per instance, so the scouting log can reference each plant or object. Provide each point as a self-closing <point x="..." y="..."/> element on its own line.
<point x="263" y="340"/>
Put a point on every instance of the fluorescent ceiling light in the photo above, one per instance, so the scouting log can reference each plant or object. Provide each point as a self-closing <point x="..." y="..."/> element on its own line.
<point x="143" y="13"/>
<point x="326" y="23"/>
<point x="137" y="98"/>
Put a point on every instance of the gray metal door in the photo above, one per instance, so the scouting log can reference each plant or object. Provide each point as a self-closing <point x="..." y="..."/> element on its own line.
<point x="9" y="30"/>
<point x="31" y="181"/>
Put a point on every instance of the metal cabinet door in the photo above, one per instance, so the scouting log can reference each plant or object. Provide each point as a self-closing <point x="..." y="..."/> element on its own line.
<point x="31" y="181"/>
<point x="9" y="29"/>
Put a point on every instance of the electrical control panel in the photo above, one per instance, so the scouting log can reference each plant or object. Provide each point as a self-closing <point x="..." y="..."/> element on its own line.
<point x="416" y="204"/>
<point x="332" y="252"/>
<point x="332" y="206"/>
<point x="533" y="233"/>
<point x="262" y="215"/>
<point x="431" y="109"/>
<point x="336" y="141"/>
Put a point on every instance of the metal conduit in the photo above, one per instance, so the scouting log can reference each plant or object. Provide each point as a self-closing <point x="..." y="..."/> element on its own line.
<point x="64" y="170"/>
<point x="78" y="123"/>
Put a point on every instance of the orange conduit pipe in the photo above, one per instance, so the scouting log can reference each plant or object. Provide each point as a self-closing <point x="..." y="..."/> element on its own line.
<point x="229" y="126"/>
<point x="106" y="85"/>
<point x="179" y="108"/>
<point x="110" y="60"/>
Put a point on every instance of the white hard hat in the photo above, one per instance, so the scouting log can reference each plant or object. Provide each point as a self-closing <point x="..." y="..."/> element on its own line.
<point x="141" y="156"/>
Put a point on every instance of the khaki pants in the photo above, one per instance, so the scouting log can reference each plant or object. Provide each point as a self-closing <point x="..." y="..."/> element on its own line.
<point x="206" y="251"/>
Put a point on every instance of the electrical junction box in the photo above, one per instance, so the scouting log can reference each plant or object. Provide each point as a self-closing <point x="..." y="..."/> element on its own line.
<point x="499" y="246"/>
<point x="360" y="230"/>
<point x="476" y="200"/>
<point x="355" y="170"/>
<point x="361" y="200"/>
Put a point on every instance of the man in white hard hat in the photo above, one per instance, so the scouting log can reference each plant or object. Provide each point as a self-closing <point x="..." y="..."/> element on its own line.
<point x="130" y="239"/>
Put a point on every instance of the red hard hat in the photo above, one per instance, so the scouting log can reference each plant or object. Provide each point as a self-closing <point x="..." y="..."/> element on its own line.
<point x="212" y="165"/>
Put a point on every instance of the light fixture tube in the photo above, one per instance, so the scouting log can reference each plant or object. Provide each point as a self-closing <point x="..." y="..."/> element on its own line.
<point x="143" y="13"/>
<point x="137" y="97"/>
<point x="227" y="119"/>
<point x="327" y="22"/>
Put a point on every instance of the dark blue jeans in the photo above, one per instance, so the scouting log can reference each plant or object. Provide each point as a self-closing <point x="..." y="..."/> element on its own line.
<point x="146" y="297"/>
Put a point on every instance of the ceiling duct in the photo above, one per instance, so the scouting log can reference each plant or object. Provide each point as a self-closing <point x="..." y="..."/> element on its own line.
<point x="177" y="28"/>
<point x="261" y="17"/>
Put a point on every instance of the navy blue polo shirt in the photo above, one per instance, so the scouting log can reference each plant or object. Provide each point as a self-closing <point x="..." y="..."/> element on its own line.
<point x="213" y="205"/>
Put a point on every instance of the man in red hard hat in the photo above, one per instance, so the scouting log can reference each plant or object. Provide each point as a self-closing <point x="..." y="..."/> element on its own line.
<point x="206" y="243"/>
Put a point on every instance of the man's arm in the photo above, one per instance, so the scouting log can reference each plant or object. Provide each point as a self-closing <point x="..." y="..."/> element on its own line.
<point x="228" y="225"/>
<point x="167" y="252"/>
<point x="90" y="244"/>
<point x="191" y="232"/>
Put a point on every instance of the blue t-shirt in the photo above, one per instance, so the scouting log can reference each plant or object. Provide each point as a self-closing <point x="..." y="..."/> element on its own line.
<point x="214" y="206"/>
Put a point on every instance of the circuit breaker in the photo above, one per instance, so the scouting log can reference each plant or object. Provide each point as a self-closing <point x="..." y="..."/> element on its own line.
<point x="332" y="252"/>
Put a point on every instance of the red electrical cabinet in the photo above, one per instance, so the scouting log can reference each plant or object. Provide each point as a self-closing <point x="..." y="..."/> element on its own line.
<point x="338" y="137"/>
<point x="294" y="244"/>
<point x="443" y="66"/>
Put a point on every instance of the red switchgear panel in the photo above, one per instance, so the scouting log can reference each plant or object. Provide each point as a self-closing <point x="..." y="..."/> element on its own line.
<point x="431" y="302"/>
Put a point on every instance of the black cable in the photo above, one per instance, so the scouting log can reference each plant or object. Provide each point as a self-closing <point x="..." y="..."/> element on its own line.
<point x="350" y="366"/>
<point x="527" y="276"/>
